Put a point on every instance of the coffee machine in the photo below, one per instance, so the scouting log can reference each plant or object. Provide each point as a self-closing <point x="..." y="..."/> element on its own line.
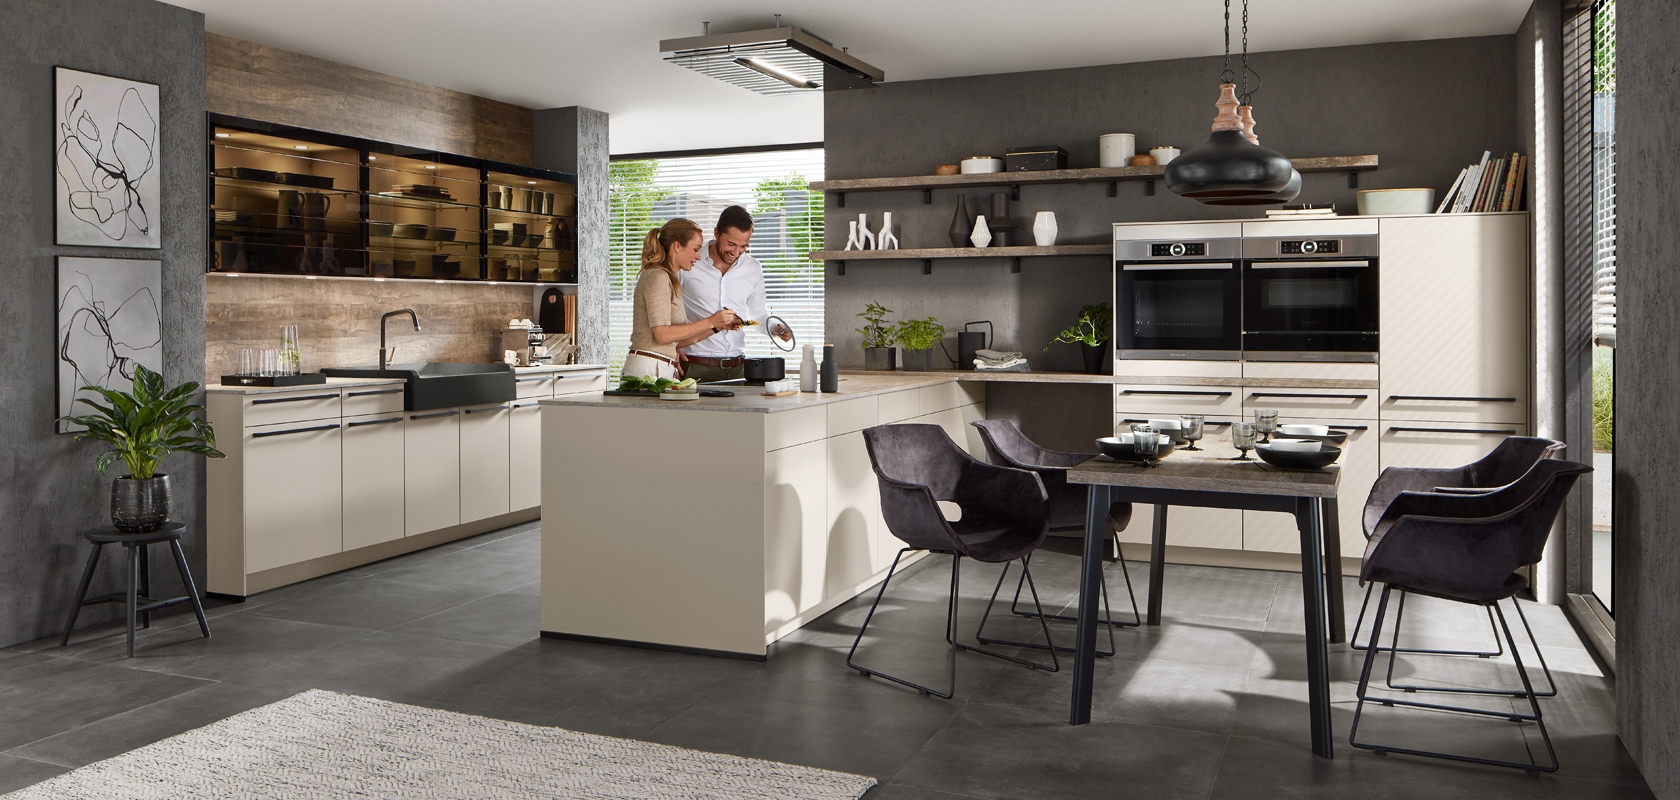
<point x="526" y="343"/>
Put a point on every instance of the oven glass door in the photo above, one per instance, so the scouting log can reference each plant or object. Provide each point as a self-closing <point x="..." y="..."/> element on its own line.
<point x="1185" y="309"/>
<point x="1326" y="305"/>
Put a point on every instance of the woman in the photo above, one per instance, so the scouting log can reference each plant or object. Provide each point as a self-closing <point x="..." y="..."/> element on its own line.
<point x="657" y="328"/>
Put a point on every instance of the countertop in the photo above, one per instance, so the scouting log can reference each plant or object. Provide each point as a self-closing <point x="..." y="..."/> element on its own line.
<point x="750" y="398"/>
<point x="557" y="368"/>
<point x="332" y="383"/>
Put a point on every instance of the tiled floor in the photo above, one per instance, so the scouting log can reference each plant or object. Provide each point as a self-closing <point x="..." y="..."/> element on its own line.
<point x="1209" y="705"/>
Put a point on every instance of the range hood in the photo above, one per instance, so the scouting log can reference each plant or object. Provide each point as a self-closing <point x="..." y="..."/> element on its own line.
<point x="783" y="60"/>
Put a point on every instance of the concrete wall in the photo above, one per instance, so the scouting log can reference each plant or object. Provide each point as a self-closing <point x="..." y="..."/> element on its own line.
<point x="48" y="489"/>
<point x="574" y="139"/>
<point x="1647" y="383"/>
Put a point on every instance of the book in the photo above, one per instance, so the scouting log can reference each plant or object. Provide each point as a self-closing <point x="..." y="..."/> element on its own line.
<point x="1447" y="199"/>
<point x="1517" y="187"/>
<point x="1468" y="193"/>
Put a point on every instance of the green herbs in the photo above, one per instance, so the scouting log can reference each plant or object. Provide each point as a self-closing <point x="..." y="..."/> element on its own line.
<point x="634" y="383"/>
<point x="1091" y="328"/>
<point x="144" y="426"/>
<point x="918" y="334"/>
<point x="877" y="333"/>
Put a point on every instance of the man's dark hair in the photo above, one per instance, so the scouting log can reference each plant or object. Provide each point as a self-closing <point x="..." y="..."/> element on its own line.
<point x="735" y="217"/>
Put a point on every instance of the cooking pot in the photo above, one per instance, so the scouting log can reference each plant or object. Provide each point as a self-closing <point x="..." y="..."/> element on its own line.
<point x="765" y="369"/>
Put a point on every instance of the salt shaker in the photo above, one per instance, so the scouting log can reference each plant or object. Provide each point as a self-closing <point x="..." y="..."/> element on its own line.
<point x="830" y="371"/>
<point x="808" y="370"/>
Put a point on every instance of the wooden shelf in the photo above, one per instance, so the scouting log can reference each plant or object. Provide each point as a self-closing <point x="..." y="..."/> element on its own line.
<point x="926" y="255"/>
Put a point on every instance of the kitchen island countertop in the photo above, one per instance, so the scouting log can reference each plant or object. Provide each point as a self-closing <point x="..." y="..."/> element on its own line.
<point x="751" y="398"/>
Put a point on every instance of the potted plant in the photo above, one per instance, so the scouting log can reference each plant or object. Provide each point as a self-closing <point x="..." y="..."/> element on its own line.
<point x="1090" y="331"/>
<point x="878" y="351"/>
<point x="918" y="336"/>
<point x="142" y="427"/>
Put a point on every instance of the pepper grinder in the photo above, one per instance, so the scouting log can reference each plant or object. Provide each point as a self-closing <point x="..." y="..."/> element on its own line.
<point x="830" y="371"/>
<point x="808" y="369"/>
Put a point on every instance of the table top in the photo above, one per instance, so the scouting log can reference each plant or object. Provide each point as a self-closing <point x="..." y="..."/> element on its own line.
<point x="1210" y="469"/>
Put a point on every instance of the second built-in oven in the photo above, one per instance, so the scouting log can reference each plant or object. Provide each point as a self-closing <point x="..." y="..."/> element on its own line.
<point x="1310" y="298"/>
<point x="1178" y="298"/>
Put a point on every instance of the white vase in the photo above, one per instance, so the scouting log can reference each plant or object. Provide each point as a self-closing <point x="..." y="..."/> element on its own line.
<point x="982" y="235"/>
<point x="808" y="369"/>
<point x="1044" y="229"/>
<point x="885" y="240"/>
<point x="851" y="238"/>
<point x="866" y="240"/>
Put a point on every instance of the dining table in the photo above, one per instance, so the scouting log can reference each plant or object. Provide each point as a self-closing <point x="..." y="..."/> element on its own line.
<point x="1214" y="477"/>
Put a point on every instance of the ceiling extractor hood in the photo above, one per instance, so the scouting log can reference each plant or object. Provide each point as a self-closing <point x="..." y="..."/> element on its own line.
<point x="781" y="60"/>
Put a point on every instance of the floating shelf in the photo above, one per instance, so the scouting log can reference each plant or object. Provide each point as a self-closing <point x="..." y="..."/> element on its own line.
<point x="926" y="255"/>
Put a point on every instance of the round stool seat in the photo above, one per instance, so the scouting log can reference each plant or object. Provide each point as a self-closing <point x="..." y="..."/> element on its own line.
<point x="109" y="534"/>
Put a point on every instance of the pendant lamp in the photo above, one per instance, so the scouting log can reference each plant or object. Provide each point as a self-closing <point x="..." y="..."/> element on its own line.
<point x="1228" y="165"/>
<point x="1245" y="114"/>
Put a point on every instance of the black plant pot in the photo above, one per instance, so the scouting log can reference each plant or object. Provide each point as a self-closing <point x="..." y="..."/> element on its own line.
<point x="1096" y="358"/>
<point x="880" y="358"/>
<point x="140" y="505"/>
<point x="918" y="360"/>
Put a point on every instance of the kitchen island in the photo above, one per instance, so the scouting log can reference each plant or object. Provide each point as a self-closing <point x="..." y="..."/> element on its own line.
<point x="720" y="525"/>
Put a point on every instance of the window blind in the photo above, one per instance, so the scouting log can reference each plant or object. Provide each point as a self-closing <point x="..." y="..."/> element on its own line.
<point x="787" y="226"/>
<point x="1604" y="176"/>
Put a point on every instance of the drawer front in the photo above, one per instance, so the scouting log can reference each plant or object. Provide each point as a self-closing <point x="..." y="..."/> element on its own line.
<point x="1440" y="445"/>
<point x="1214" y="428"/>
<point x="1164" y="401"/>
<point x="359" y="400"/>
<point x="1164" y="369"/>
<point x="533" y="386"/>
<point x="897" y="406"/>
<point x="848" y="416"/>
<point x="1511" y="409"/>
<point x="946" y="396"/>
<point x="293" y="493"/>
<point x="373" y="485"/>
<point x="1312" y="405"/>
<point x="1274" y="532"/>
<point x="282" y="407"/>
<point x="579" y="382"/>
<point x="1314" y="370"/>
<point x="795" y="426"/>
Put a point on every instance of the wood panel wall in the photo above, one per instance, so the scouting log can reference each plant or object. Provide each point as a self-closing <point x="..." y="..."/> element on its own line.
<point x="256" y="81"/>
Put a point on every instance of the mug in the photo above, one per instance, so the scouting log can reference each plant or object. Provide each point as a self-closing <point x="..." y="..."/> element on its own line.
<point x="1113" y="149"/>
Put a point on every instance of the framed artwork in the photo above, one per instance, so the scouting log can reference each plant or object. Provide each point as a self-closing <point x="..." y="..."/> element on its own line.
<point x="106" y="150"/>
<point x="110" y="318"/>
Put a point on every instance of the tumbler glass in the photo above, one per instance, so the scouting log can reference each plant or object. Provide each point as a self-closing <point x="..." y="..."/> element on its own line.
<point x="269" y="366"/>
<point x="1267" y="420"/>
<point x="1191" y="425"/>
<point x="1146" y="441"/>
<point x="1242" y="438"/>
<point x="247" y="362"/>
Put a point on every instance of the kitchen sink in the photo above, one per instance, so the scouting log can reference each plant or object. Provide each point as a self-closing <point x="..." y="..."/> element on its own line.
<point x="441" y="385"/>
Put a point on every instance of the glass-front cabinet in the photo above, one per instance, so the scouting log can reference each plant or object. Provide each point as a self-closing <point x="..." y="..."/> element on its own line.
<point x="289" y="201"/>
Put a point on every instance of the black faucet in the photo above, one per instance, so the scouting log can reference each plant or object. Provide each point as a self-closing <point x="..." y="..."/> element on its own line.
<point x="411" y="315"/>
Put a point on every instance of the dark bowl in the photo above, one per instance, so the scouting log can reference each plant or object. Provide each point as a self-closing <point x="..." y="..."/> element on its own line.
<point x="1122" y="451"/>
<point x="440" y="234"/>
<point x="409" y="231"/>
<point x="1286" y="459"/>
<point x="378" y="228"/>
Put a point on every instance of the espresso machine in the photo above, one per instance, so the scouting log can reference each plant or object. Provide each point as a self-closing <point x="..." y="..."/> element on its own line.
<point x="526" y="343"/>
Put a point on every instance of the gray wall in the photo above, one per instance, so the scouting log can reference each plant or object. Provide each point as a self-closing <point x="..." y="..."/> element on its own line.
<point x="1647" y="383"/>
<point x="574" y="139"/>
<point x="48" y="489"/>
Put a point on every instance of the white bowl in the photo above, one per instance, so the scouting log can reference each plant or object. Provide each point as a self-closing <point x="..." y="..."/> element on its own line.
<point x="1166" y="424"/>
<point x="1395" y="201"/>
<point x="1308" y="430"/>
<point x="980" y="165"/>
<point x="1296" y="445"/>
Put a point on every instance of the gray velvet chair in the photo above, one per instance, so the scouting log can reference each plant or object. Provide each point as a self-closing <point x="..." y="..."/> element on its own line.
<point x="1466" y="548"/>
<point x="1005" y="516"/>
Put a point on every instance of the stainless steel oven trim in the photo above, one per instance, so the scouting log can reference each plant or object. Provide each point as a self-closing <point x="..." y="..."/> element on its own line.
<point x="1139" y="249"/>
<point x="1360" y="246"/>
<point x="1182" y="355"/>
<point x="1309" y="264"/>
<point x="1182" y="266"/>
<point x="1304" y="355"/>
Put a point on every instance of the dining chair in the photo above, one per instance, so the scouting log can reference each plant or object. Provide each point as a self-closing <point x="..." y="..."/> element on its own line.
<point x="1465" y="548"/>
<point x="1005" y="516"/>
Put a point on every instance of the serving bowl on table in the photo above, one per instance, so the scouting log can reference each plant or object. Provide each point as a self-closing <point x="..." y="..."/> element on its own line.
<point x="1173" y="429"/>
<point x="1320" y="433"/>
<point x="1305" y="454"/>
<point x="1120" y="448"/>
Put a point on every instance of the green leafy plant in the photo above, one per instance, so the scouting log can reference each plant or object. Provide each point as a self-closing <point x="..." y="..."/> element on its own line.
<point x="146" y="425"/>
<point x="877" y="333"/>
<point x="918" y="334"/>
<point x="1604" y="399"/>
<point x="1091" y="328"/>
<point x="637" y="383"/>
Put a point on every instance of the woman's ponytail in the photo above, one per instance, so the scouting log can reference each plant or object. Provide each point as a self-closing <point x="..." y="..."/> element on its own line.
<point x="656" y="246"/>
<point x="653" y="254"/>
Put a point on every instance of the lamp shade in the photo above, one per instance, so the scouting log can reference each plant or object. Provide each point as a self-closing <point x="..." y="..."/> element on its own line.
<point x="1226" y="165"/>
<point x="1282" y="196"/>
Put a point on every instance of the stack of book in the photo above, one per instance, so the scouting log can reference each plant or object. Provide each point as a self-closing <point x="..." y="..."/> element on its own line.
<point x="1297" y="212"/>
<point x="1495" y="184"/>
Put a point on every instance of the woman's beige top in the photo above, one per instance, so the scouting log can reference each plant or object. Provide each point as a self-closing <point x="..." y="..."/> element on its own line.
<point x="657" y="304"/>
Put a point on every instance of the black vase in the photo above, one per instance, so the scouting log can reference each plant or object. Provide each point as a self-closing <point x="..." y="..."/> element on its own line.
<point x="962" y="227"/>
<point x="999" y="222"/>
<point x="140" y="505"/>
<point x="1096" y="358"/>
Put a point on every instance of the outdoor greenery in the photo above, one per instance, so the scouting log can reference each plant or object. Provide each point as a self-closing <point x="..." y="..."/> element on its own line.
<point x="631" y="197"/>
<point x="918" y="334"/>
<point x="877" y="333"/>
<point x="1604" y="48"/>
<point x="146" y="425"/>
<point x="1090" y="328"/>
<point x="1604" y="398"/>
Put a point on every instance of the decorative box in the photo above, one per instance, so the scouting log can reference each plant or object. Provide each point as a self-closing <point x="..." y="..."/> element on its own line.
<point x="1030" y="159"/>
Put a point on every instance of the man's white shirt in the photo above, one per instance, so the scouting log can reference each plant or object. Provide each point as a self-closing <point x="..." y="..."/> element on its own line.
<point x="705" y="290"/>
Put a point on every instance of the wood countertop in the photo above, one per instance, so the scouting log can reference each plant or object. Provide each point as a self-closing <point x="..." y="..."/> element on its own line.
<point x="751" y="398"/>
<point x="1210" y="470"/>
<point x="331" y="384"/>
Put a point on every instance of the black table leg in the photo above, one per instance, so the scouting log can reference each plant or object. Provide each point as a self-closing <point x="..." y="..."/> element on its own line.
<point x="1312" y="591"/>
<point x="81" y="594"/>
<point x="133" y="594"/>
<point x="1090" y="578"/>
<point x="145" y="583"/>
<point x="1157" y="563"/>
<point x="1333" y="569"/>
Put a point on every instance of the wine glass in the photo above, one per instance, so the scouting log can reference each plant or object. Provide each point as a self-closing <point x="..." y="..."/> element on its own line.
<point x="1192" y="429"/>
<point x="1267" y="420"/>
<point x="1242" y="438"/>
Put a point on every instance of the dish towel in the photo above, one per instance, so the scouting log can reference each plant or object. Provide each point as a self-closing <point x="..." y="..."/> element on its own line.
<point x="999" y="361"/>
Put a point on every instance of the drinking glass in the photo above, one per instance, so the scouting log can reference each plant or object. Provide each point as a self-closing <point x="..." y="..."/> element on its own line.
<point x="290" y="358"/>
<point x="269" y="366"/>
<point x="1242" y="438"/>
<point x="247" y="362"/>
<point x="1146" y="441"/>
<point x="1191" y="425"/>
<point x="1266" y="419"/>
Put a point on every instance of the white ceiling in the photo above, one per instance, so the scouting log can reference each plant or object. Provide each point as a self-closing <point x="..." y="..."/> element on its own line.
<point x="605" y="55"/>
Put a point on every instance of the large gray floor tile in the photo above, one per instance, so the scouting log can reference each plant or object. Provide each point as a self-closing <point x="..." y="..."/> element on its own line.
<point x="504" y="620"/>
<point x="78" y="693"/>
<point x="377" y="603"/>
<point x="1151" y="692"/>
<point x="390" y="666"/>
<point x="475" y="570"/>
<point x="241" y="647"/>
<point x="19" y="773"/>
<point x="898" y="791"/>
<point x="120" y="733"/>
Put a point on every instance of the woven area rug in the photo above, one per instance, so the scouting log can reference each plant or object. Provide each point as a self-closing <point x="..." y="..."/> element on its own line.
<point x="327" y="745"/>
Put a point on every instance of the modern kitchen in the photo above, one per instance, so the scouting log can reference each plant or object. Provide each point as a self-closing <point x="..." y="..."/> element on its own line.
<point x="1159" y="386"/>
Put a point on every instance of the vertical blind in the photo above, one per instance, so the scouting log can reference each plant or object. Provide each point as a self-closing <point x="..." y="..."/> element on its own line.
<point x="787" y="226"/>
<point x="1604" y="174"/>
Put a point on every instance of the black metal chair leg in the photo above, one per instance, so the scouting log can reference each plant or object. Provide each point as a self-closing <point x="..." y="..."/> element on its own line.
<point x="865" y="627"/>
<point x="1528" y="687"/>
<point x="133" y="595"/>
<point x="951" y="632"/>
<point x="192" y="590"/>
<point x="1551" y="686"/>
<point x="1360" y="620"/>
<point x="81" y="594"/>
<point x="1108" y="618"/>
<point x="1025" y="560"/>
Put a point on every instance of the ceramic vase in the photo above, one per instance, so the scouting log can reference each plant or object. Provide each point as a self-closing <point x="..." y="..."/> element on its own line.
<point x="851" y="238"/>
<point x="999" y="223"/>
<point x="885" y="240"/>
<point x="866" y="240"/>
<point x="140" y="505"/>
<point x="1044" y="229"/>
<point x="961" y="224"/>
<point x="982" y="235"/>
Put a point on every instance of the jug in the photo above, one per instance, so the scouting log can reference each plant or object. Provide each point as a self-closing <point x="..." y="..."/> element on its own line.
<point x="969" y="341"/>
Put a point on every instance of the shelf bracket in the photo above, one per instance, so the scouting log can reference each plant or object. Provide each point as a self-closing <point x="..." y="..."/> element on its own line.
<point x="1113" y="188"/>
<point x="927" y="266"/>
<point x="1015" y="265"/>
<point x="1015" y="192"/>
<point x="927" y="197"/>
<point x="1353" y="180"/>
<point x="1149" y="186"/>
<point x="841" y="265"/>
<point x="840" y="199"/>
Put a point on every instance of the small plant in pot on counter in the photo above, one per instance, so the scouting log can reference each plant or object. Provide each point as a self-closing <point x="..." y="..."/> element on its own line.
<point x="143" y="427"/>
<point x="1090" y="332"/>
<point x="878" y="352"/>
<point x="919" y="336"/>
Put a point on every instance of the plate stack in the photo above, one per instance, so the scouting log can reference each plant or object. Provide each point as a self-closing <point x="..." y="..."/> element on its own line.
<point x="512" y="234"/>
<point x="419" y="190"/>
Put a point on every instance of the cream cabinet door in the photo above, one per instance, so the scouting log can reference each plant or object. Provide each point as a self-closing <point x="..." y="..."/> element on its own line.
<point x="1439" y="445"/>
<point x="1188" y="526"/>
<point x="854" y="515"/>
<point x="294" y="507"/>
<point x="795" y="529"/>
<point x="1455" y="318"/>
<point x="373" y="479"/>
<point x="524" y="455"/>
<point x="431" y="471"/>
<point x="1275" y="532"/>
<point x="484" y="462"/>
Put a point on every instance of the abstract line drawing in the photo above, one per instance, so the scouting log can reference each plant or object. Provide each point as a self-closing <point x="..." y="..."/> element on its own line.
<point x="110" y="318"/>
<point x="106" y="154"/>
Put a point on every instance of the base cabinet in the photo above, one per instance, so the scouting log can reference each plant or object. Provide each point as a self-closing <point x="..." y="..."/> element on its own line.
<point x="524" y="487"/>
<point x="1441" y="444"/>
<point x="373" y="485"/>
<point x="1274" y="532"/>
<point x="431" y="471"/>
<point x="293" y="486"/>
<point x="484" y="462"/>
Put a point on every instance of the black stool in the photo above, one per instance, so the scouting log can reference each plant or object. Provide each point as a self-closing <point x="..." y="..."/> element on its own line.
<point x="139" y="578"/>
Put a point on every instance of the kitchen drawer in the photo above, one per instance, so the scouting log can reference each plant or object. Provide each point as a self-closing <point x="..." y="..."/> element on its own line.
<point x="539" y="385"/>
<point x="897" y="406"/>
<point x="280" y="407"/>
<point x="1162" y="401"/>
<point x="1275" y="532"/>
<point x="1440" y="444"/>
<point x="1309" y="370"/>
<point x="795" y="426"/>
<point x="1168" y="369"/>
<point x="360" y="400"/>
<point x="1312" y="405"/>
<point x="1214" y="428"/>
<point x="1511" y="409"/>
<point x="953" y="394"/>
<point x="848" y="416"/>
<point x="579" y="382"/>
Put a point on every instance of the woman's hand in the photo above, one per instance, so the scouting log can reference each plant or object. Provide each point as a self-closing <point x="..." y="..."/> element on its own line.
<point x="723" y="319"/>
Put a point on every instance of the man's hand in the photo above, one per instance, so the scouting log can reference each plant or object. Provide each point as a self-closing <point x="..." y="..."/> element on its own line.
<point x="780" y="331"/>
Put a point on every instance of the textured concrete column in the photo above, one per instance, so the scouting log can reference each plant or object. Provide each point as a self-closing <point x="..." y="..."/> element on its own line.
<point x="574" y="139"/>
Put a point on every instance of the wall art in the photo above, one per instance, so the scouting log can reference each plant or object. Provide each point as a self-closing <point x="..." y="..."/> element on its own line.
<point x="106" y="150"/>
<point x="110" y="318"/>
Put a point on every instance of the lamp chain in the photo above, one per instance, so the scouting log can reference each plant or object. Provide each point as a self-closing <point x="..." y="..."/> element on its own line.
<point x="1226" y="76"/>
<point x="1247" y="96"/>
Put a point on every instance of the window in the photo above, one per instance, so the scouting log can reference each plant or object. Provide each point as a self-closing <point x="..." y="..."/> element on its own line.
<point x="787" y="226"/>
<point x="1604" y="299"/>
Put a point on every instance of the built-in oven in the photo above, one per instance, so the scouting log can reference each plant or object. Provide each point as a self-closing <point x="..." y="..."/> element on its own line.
<point x="1310" y="298"/>
<point x="1178" y="297"/>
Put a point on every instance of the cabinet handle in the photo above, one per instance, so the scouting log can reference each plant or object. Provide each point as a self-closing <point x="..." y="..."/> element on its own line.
<point x="525" y="405"/>
<point x="482" y="410"/>
<point x="439" y="414"/>
<point x="1329" y="396"/>
<point x="333" y="396"/>
<point x="1463" y="399"/>
<point x="382" y="391"/>
<point x="1348" y="427"/>
<point x="1197" y="394"/>
<point x="374" y="422"/>
<point x="534" y="378"/>
<point x="1451" y="430"/>
<point x="332" y="427"/>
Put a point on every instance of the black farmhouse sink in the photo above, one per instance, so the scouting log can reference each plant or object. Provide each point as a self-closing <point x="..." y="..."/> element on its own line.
<point x="439" y="385"/>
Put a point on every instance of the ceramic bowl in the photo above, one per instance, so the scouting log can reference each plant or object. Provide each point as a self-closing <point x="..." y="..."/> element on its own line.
<point x="946" y="169"/>
<point x="1396" y="201"/>
<point x="980" y="165"/>
<point x="1311" y="430"/>
<point x="1141" y="160"/>
<point x="1288" y="459"/>
<point x="1120" y="448"/>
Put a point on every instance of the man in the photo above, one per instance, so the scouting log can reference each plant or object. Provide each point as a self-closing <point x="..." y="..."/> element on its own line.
<point x="726" y="277"/>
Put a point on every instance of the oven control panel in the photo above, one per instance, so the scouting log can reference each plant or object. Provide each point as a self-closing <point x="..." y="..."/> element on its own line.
<point x="1309" y="247"/>
<point x="1177" y="249"/>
